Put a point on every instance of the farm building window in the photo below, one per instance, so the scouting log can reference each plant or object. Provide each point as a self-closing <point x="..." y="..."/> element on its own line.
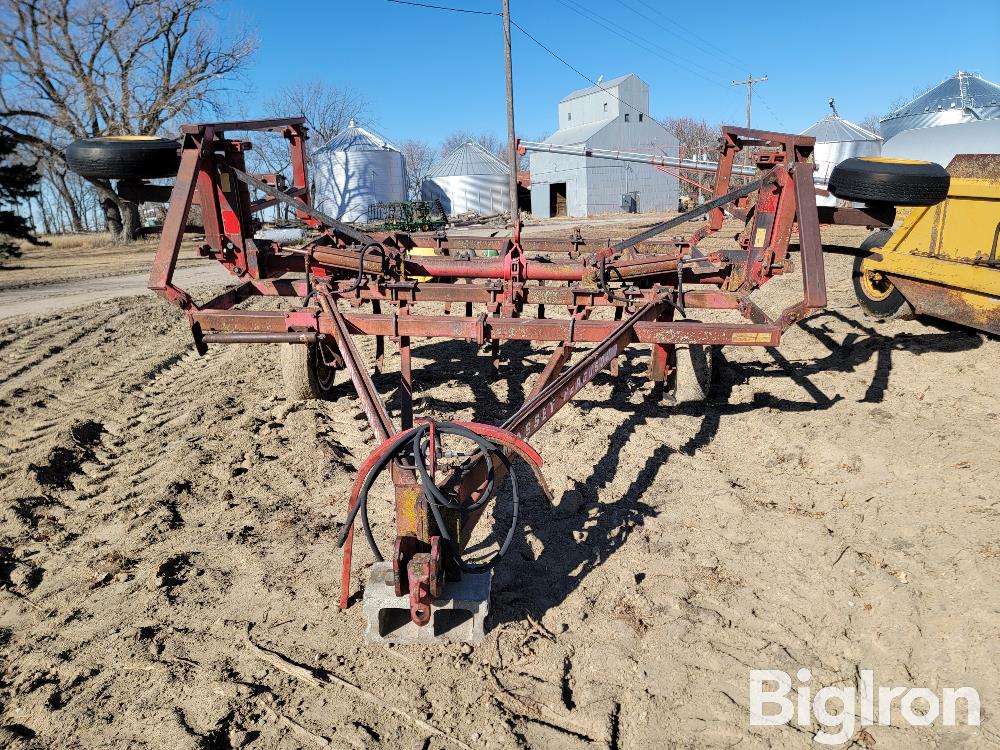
<point x="640" y="117"/>
<point x="569" y="116"/>
<point x="605" y="106"/>
<point x="626" y="117"/>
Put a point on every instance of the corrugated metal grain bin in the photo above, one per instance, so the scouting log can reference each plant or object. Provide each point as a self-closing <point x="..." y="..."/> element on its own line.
<point x="838" y="139"/>
<point x="355" y="169"/>
<point x="469" y="180"/>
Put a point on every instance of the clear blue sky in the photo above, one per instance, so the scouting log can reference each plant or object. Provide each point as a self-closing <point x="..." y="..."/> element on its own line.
<point x="430" y="72"/>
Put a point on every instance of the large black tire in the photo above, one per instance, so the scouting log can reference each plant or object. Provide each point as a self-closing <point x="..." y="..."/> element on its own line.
<point x="874" y="291"/>
<point x="873" y="179"/>
<point x="303" y="373"/>
<point x="124" y="157"/>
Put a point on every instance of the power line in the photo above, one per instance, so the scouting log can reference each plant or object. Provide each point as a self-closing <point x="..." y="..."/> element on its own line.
<point x="777" y="117"/>
<point x="547" y="49"/>
<point x="444" y="7"/>
<point x="638" y="41"/>
<point x="700" y="53"/>
<point x="693" y="35"/>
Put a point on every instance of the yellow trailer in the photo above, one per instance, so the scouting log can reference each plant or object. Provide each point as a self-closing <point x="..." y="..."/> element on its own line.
<point x="942" y="261"/>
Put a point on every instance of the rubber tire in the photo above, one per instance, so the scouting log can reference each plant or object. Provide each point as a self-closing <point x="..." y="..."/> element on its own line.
<point x="124" y="158"/>
<point x="898" y="182"/>
<point x="301" y="376"/>
<point x="694" y="372"/>
<point x="877" y="308"/>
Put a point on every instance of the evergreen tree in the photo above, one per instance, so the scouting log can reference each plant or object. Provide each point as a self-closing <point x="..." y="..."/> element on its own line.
<point x="18" y="182"/>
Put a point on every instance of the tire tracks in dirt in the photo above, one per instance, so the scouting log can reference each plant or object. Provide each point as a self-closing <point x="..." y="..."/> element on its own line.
<point x="117" y="396"/>
<point x="45" y="345"/>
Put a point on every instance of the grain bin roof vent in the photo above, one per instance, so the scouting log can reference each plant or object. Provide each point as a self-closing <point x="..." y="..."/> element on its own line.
<point x="838" y="139"/>
<point x="835" y="129"/>
<point x="356" y="138"/>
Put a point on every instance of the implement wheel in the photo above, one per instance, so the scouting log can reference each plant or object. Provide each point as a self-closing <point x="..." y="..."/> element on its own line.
<point x="304" y="371"/>
<point x="124" y="157"/>
<point x="694" y="373"/>
<point x="877" y="179"/>
<point x="873" y="289"/>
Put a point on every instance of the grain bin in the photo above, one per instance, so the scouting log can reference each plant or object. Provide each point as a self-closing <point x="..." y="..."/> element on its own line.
<point x="838" y="139"/>
<point x="965" y="97"/>
<point x="469" y="180"/>
<point x="355" y="169"/>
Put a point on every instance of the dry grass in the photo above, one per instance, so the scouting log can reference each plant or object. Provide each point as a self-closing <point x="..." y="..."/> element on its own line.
<point x="82" y="241"/>
<point x="86" y="255"/>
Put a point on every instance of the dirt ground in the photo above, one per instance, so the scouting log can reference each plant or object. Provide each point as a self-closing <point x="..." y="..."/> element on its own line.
<point x="168" y="570"/>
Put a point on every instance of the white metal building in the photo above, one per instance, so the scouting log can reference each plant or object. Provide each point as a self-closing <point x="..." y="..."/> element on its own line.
<point x="469" y="180"/>
<point x="965" y="97"/>
<point x="612" y="115"/>
<point x="355" y="169"/>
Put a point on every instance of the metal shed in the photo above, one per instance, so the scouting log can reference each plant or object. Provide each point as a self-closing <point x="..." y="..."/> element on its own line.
<point x="965" y="97"/>
<point x="611" y="115"/>
<point x="355" y="169"/>
<point x="469" y="180"/>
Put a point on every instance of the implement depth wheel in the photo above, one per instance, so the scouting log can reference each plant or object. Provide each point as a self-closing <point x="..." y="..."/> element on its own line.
<point x="304" y="372"/>
<point x="902" y="182"/>
<point x="124" y="157"/>
<point x="873" y="289"/>
<point x="694" y="373"/>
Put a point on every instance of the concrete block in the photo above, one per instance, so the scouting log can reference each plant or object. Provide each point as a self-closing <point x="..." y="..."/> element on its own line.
<point x="458" y="615"/>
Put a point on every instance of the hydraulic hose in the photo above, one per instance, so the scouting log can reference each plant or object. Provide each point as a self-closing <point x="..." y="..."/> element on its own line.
<point x="361" y="265"/>
<point x="410" y="445"/>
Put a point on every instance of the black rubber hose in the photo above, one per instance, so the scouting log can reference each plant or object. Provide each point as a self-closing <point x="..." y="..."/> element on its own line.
<point x="435" y="498"/>
<point x="602" y="282"/>
<point x="363" y="501"/>
<point x="361" y="265"/>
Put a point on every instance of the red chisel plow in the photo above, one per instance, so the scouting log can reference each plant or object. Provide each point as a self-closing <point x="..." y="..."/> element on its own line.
<point x="349" y="283"/>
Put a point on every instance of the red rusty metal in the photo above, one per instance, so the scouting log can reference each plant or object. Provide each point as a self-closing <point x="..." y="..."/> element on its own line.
<point x="405" y="547"/>
<point x="353" y="283"/>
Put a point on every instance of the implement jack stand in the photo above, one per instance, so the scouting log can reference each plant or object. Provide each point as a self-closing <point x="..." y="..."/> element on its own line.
<point x="458" y="615"/>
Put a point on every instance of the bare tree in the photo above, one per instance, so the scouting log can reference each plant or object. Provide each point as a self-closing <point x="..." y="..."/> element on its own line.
<point x="871" y="123"/>
<point x="489" y="141"/>
<point x="86" y="69"/>
<point x="328" y="108"/>
<point x="419" y="157"/>
<point x="697" y="140"/>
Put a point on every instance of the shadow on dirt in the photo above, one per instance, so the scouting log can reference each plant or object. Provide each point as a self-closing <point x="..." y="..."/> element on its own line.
<point x="575" y="544"/>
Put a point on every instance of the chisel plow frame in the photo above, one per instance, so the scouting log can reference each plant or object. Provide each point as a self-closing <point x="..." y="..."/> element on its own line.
<point x="351" y="283"/>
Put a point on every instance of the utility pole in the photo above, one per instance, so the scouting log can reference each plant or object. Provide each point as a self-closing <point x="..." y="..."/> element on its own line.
<point x="515" y="215"/>
<point x="749" y="83"/>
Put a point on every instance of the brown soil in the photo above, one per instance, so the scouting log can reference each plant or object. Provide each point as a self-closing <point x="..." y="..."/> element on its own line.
<point x="834" y="506"/>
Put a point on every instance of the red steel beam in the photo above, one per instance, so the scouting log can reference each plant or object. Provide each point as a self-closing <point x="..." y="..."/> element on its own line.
<point x="481" y="268"/>
<point x="485" y="328"/>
